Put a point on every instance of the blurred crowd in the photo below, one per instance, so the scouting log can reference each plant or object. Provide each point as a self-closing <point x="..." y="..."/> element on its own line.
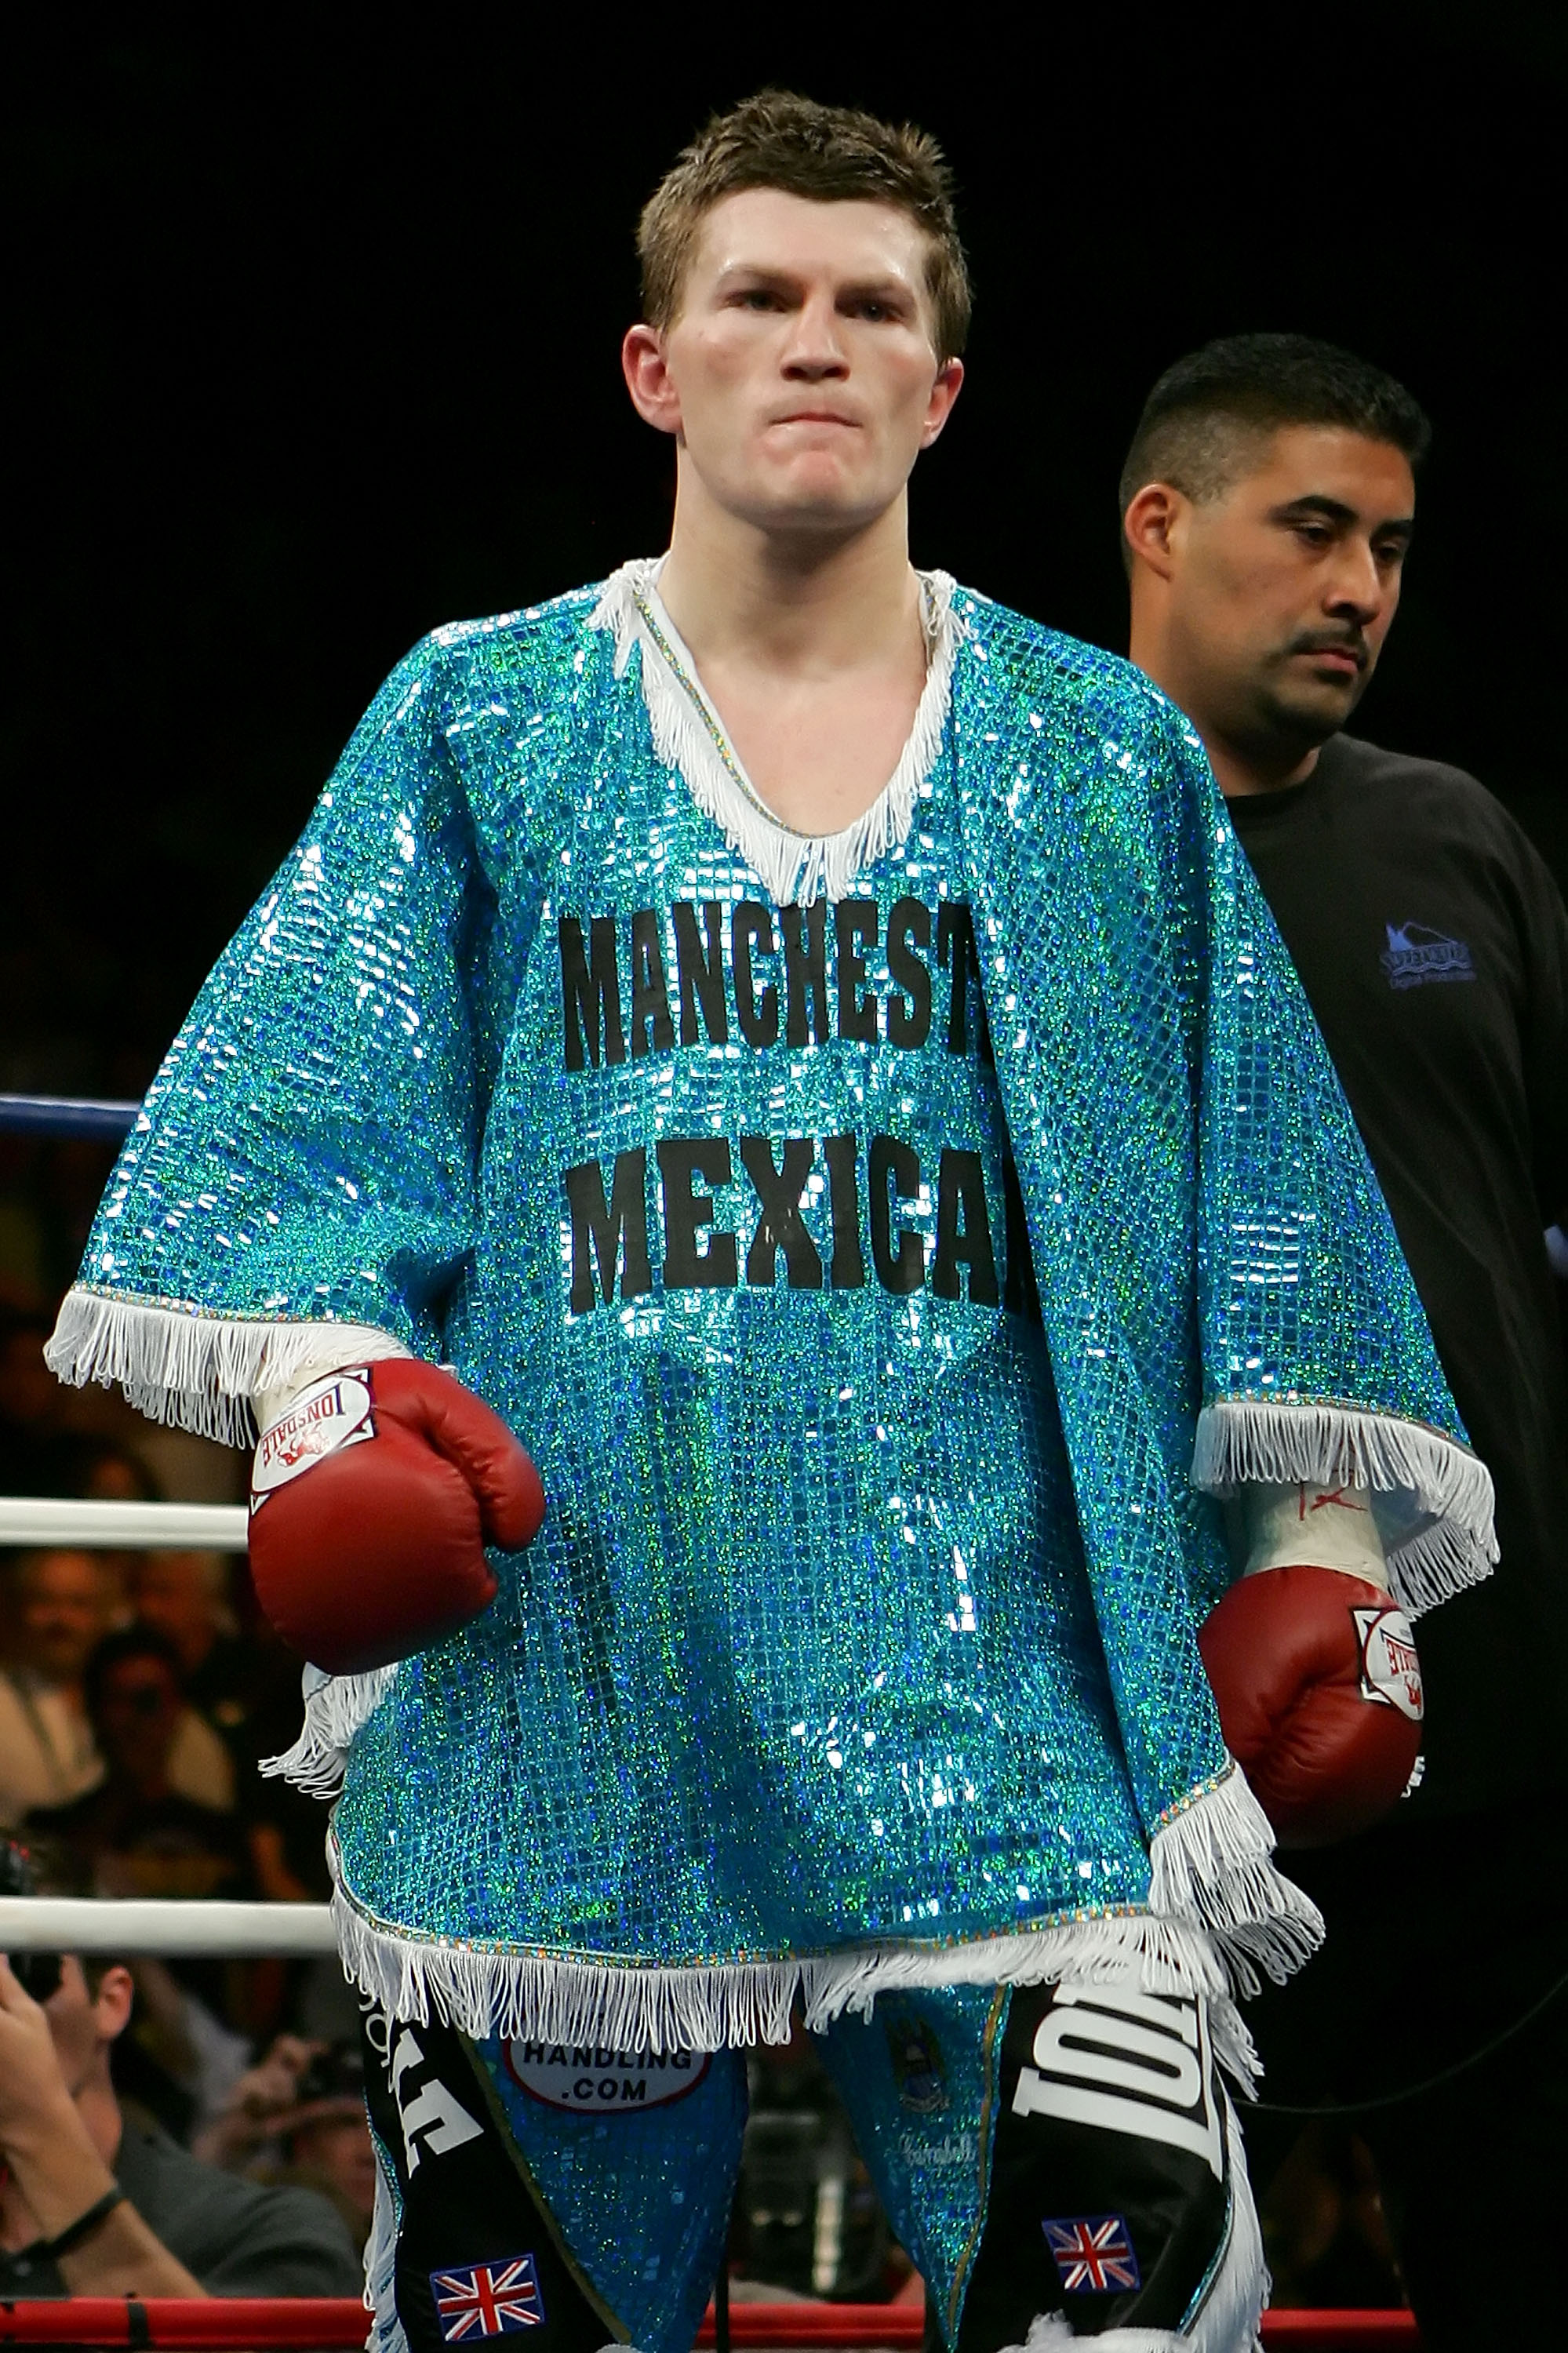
<point x="138" y="1692"/>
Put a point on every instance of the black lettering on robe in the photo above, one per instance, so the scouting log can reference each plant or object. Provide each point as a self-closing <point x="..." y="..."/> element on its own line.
<point x="781" y="1227"/>
<point x="847" y="1269"/>
<point x="894" y="1170"/>
<point x="805" y="934"/>
<point x="650" y="997"/>
<point x="1021" y="1294"/>
<point x="681" y="1157"/>
<point x="590" y="993"/>
<point x="856" y="925"/>
<point x="700" y="975"/>
<point x="959" y="958"/>
<point x="752" y="926"/>
<point x="908" y="944"/>
<point x="963" y="1231"/>
<point x="613" y="1229"/>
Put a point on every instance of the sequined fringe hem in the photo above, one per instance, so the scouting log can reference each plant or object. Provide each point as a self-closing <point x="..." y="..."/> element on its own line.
<point x="1451" y="1544"/>
<point x="731" y="2005"/>
<point x="335" y="1707"/>
<point x="177" y="1364"/>
<point x="1212" y="1864"/>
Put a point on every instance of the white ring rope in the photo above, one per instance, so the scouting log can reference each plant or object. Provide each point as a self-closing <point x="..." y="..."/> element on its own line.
<point x="123" y="1926"/>
<point x="123" y="1527"/>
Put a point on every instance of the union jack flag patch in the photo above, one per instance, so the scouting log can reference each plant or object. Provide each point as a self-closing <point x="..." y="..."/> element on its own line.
<point x="1092" y="2251"/>
<point x="487" y="2299"/>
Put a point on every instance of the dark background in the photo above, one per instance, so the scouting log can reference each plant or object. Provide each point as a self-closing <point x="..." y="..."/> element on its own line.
<point x="313" y="345"/>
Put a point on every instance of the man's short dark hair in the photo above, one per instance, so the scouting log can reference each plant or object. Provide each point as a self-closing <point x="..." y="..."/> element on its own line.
<point x="827" y="153"/>
<point x="1205" y="416"/>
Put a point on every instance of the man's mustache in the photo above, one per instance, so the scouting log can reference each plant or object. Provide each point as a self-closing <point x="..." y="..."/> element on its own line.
<point x="1336" y="641"/>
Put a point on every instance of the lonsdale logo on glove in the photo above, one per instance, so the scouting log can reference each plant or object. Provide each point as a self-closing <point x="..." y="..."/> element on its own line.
<point x="330" y="1413"/>
<point x="1318" y="1688"/>
<point x="1390" y="1672"/>
<point x="381" y="1550"/>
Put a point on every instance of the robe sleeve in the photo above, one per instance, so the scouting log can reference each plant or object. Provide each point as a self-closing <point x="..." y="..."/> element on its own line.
<point x="1318" y="1360"/>
<point x="300" y="1177"/>
<point x="1221" y="1293"/>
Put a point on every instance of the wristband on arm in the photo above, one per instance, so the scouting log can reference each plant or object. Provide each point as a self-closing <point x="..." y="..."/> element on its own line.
<point x="64" y="2242"/>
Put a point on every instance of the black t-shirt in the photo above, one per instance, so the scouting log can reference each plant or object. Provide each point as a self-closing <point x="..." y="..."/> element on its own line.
<point x="1433" y="944"/>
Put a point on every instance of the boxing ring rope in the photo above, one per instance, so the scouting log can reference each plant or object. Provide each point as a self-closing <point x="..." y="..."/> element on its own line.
<point x="122" y="1526"/>
<point x="176" y="1928"/>
<point x="173" y="1927"/>
<point x="60" y="1116"/>
<point x="280" y="2324"/>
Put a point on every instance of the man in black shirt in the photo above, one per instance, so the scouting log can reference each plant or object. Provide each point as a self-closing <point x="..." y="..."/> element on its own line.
<point x="1267" y="503"/>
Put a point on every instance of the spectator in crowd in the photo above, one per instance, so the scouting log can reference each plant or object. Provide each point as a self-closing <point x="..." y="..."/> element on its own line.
<point x="139" y="1832"/>
<point x="108" y="1473"/>
<point x="299" y="2117"/>
<point x="60" y="1604"/>
<point x="184" y="1596"/>
<point x="247" y="1690"/>
<point x="95" y="2201"/>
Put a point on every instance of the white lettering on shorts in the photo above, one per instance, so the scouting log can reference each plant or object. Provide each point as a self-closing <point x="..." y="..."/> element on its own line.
<point x="329" y="1415"/>
<point x="1390" y="1672"/>
<point x="1128" y="2062"/>
<point x="590" y="2076"/>
<point x="434" y="2120"/>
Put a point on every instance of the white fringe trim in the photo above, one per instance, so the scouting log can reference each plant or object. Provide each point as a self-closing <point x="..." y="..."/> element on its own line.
<point x="180" y="1365"/>
<point x="1232" y="2312"/>
<point x="385" y="2334"/>
<point x="790" y="865"/>
<point x="1433" y="1496"/>
<point x="727" y="2006"/>
<point x="335" y="1707"/>
<point x="1212" y="1858"/>
<point x="1050" y="2331"/>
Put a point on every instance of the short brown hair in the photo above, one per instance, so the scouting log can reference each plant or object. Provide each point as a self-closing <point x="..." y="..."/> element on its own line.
<point x="830" y="155"/>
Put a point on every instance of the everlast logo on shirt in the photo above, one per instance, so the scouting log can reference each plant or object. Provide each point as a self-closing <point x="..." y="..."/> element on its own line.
<point x="745" y="979"/>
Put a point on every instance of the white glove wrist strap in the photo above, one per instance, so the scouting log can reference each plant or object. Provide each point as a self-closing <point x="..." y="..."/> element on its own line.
<point x="1324" y="1526"/>
<point x="328" y="1351"/>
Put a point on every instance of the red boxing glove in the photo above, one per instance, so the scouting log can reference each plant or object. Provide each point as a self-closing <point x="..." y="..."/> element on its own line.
<point x="1318" y="1690"/>
<point x="372" y="1498"/>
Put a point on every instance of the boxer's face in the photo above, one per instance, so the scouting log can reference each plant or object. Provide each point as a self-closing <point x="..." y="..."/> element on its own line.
<point x="1283" y="588"/>
<point x="800" y="376"/>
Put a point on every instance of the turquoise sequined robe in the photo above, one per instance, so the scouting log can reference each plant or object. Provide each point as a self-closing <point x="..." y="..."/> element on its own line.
<point x="886" y="1295"/>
